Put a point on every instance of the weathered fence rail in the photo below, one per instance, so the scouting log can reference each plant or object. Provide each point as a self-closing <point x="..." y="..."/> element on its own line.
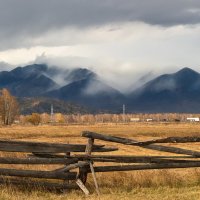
<point x="38" y="147"/>
<point x="40" y="153"/>
<point x="76" y="161"/>
<point x="136" y="143"/>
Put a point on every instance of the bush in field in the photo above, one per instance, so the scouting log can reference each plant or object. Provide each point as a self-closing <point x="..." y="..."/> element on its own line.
<point x="34" y="119"/>
<point x="59" y="118"/>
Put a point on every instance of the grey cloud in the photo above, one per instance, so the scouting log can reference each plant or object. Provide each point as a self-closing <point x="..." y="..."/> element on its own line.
<point x="5" y="66"/>
<point x="22" y="18"/>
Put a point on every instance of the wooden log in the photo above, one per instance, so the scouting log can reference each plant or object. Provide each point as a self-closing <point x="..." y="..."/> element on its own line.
<point x="83" y="174"/>
<point x="82" y="186"/>
<point x="170" y="140"/>
<point x="87" y="157"/>
<point x="109" y="138"/>
<point x="125" y="141"/>
<point x="175" y="150"/>
<point x="94" y="178"/>
<point x="83" y="170"/>
<point x="38" y="174"/>
<point x="88" y="153"/>
<point x="38" y="147"/>
<point x="123" y="159"/>
<point x="36" y="184"/>
<point x="145" y="167"/>
<point x="117" y="159"/>
<point x="89" y="146"/>
<point x="137" y="159"/>
<point x="73" y="166"/>
<point x="43" y="161"/>
<point x="47" y="155"/>
<point x="156" y="160"/>
<point x="67" y="182"/>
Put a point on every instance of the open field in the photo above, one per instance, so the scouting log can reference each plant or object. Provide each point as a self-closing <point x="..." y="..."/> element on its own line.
<point x="152" y="184"/>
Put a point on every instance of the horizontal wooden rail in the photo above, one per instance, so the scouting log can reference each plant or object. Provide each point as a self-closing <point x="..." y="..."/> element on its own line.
<point x="145" y="167"/>
<point x="46" y="155"/>
<point x="109" y="138"/>
<point x="122" y="159"/>
<point x="137" y="159"/>
<point x="170" y="140"/>
<point x="20" y="146"/>
<point x="38" y="174"/>
<point x="38" y="161"/>
<point x="73" y="166"/>
<point x="37" y="184"/>
<point x="133" y="143"/>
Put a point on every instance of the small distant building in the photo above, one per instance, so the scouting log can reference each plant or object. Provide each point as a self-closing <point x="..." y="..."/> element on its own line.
<point x="134" y="119"/>
<point x="193" y="119"/>
<point x="16" y="122"/>
<point x="149" y="120"/>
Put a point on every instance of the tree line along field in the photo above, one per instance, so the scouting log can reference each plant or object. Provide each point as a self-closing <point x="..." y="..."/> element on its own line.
<point x="152" y="184"/>
<point x="59" y="118"/>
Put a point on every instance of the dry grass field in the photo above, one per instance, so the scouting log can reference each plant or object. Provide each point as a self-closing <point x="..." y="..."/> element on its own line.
<point x="171" y="184"/>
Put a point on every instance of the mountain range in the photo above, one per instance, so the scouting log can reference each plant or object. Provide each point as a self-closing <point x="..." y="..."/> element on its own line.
<point x="77" y="86"/>
<point x="177" y="92"/>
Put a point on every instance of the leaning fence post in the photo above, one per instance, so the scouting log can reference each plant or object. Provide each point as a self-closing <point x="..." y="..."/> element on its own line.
<point x="94" y="177"/>
<point x="82" y="186"/>
<point x="88" y="152"/>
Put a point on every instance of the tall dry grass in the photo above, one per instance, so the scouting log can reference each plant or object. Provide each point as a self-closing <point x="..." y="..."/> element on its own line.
<point x="153" y="184"/>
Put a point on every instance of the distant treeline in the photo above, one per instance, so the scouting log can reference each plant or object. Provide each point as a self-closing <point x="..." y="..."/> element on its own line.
<point x="59" y="118"/>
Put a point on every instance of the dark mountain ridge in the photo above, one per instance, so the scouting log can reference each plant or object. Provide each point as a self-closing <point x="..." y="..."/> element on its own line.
<point x="83" y="92"/>
<point x="80" y="86"/>
<point x="177" y="92"/>
<point x="27" y="81"/>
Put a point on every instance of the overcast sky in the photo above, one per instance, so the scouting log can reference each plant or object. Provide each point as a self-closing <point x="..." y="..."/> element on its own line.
<point x="120" y="39"/>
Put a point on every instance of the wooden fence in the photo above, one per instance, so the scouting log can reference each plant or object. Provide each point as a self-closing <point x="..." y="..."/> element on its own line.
<point x="77" y="161"/>
<point x="37" y="153"/>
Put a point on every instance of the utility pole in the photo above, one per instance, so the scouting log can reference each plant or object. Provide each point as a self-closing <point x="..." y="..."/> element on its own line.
<point x="52" y="114"/>
<point x="124" y="113"/>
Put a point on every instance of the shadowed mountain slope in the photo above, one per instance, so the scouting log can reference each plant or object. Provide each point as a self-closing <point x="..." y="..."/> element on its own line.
<point x="178" y="92"/>
<point x="79" y="86"/>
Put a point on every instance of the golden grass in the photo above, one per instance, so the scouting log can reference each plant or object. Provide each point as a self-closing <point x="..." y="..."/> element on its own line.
<point x="152" y="184"/>
<point x="164" y="193"/>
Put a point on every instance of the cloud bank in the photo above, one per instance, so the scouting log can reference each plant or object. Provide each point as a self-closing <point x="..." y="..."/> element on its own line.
<point x="122" y="40"/>
<point x="23" y="21"/>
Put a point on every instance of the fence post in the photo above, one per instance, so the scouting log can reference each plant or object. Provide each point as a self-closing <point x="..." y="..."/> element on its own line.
<point x="66" y="182"/>
<point x="83" y="170"/>
<point x="88" y="152"/>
